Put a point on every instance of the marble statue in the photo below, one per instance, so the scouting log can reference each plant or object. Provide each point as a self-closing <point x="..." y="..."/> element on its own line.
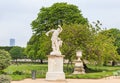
<point x="56" y="41"/>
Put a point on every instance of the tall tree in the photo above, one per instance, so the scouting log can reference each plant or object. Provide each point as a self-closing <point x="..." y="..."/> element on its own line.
<point x="75" y="37"/>
<point x="17" y="52"/>
<point x="102" y="49"/>
<point x="50" y="17"/>
<point x="38" y="47"/>
<point x="115" y="33"/>
<point x="58" y="13"/>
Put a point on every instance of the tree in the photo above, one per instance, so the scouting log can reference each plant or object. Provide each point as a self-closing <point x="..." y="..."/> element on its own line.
<point x="115" y="33"/>
<point x="38" y="47"/>
<point x="49" y="17"/>
<point x="75" y="37"/>
<point x="58" y="13"/>
<point x="101" y="49"/>
<point x="4" y="59"/>
<point x="6" y="48"/>
<point x="17" y="52"/>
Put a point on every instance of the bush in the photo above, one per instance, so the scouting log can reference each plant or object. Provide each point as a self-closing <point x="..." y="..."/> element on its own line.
<point x="18" y="73"/>
<point x="4" y="59"/>
<point x="5" y="79"/>
<point x="2" y="72"/>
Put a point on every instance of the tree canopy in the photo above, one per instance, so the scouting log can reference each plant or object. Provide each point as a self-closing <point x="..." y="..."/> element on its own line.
<point x="4" y="59"/>
<point x="97" y="44"/>
<point x="48" y="18"/>
<point x="17" y="52"/>
<point x="58" y="13"/>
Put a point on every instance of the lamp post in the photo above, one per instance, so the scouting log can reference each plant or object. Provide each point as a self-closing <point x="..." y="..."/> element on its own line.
<point x="79" y="68"/>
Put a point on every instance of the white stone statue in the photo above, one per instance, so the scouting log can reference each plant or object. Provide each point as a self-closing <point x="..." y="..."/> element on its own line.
<point x="56" y="41"/>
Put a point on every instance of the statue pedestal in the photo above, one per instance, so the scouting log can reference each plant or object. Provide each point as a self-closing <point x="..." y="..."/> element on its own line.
<point x="55" y="68"/>
<point x="79" y="68"/>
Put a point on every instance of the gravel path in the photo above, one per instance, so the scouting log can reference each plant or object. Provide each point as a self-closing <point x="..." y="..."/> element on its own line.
<point x="104" y="80"/>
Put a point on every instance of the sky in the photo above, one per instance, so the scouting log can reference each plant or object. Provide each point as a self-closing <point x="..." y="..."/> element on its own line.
<point x="17" y="15"/>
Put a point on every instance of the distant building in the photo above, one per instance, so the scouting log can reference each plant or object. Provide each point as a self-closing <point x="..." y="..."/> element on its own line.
<point x="12" y="42"/>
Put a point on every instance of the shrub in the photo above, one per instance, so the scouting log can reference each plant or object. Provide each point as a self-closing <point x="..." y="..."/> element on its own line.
<point x="2" y="72"/>
<point x="4" y="59"/>
<point x="18" y="73"/>
<point x="5" y="79"/>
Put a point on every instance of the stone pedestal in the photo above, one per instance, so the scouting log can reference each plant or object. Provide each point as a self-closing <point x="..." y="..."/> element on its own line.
<point x="55" y="68"/>
<point x="79" y="68"/>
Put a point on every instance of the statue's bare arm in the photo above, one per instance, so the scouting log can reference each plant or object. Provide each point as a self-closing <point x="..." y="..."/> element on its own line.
<point x="60" y="28"/>
<point x="50" y="32"/>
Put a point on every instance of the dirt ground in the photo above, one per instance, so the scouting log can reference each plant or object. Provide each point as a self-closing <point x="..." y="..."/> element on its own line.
<point x="104" y="80"/>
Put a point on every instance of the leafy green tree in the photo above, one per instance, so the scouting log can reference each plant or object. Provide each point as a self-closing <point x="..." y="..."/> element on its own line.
<point x="38" y="47"/>
<point x="17" y="52"/>
<point x="58" y="13"/>
<point x="4" y="59"/>
<point x="101" y="50"/>
<point x="6" y="48"/>
<point x="115" y="33"/>
<point x="75" y="37"/>
<point x="49" y="17"/>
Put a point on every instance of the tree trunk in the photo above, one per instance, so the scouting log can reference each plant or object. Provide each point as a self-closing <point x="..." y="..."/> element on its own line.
<point x="41" y="61"/>
<point x="113" y="63"/>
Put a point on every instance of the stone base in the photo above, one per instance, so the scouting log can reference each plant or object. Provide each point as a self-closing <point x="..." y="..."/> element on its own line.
<point x="55" y="68"/>
<point x="77" y="72"/>
<point x="55" y="76"/>
<point x="79" y="68"/>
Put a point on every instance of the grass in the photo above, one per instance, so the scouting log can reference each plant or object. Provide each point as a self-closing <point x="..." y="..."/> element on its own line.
<point x="96" y="75"/>
<point x="19" y="72"/>
<point x="23" y="71"/>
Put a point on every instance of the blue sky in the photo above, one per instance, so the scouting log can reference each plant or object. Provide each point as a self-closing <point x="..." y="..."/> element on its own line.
<point x="17" y="15"/>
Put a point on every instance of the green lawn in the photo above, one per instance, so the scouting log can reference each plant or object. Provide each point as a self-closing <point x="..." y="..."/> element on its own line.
<point x="19" y="72"/>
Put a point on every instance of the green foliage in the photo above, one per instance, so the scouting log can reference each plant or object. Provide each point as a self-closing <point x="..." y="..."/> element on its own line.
<point x="98" y="45"/>
<point x="4" y="59"/>
<point x="49" y="17"/>
<point x="38" y="47"/>
<point x="115" y="33"/>
<point x="96" y="71"/>
<point x="102" y="49"/>
<point x="21" y="72"/>
<point x="18" y="73"/>
<point x="75" y="37"/>
<point x="110" y="44"/>
<point x="97" y="75"/>
<point x="58" y="13"/>
<point x="6" y="48"/>
<point x="19" y="77"/>
<point x="5" y="79"/>
<point x="17" y="52"/>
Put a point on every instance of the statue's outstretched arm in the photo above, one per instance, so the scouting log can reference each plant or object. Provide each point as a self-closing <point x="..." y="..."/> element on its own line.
<point x="60" y="28"/>
<point x="50" y="32"/>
